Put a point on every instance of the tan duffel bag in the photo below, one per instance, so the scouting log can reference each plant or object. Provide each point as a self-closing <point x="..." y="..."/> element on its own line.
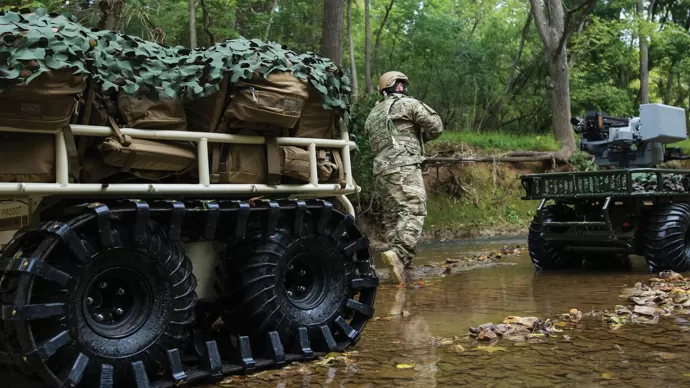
<point x="27" y="157"/>
<point x="204" y="114"/>
<point x="315" y="121"/>
<point x="140" y="112"/>
<point x="238" y="163"/>
<point x="294" y="164"/>
<point x="275" y="101"/>
<point x="142" y="158"/>
<point x="46" y="103"/>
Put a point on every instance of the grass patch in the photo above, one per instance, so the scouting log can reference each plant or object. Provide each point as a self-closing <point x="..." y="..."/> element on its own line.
<point x="685" y="145"/>
<point x="500" y="141"/>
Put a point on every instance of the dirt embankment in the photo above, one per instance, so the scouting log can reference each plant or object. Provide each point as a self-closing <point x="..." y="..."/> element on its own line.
<point x="468" y="200"/>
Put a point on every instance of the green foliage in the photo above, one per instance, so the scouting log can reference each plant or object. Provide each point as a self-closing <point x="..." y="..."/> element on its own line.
<point x="363" y="160"/>
<point x="583" y="161"/>
<point x="495" y="142"/>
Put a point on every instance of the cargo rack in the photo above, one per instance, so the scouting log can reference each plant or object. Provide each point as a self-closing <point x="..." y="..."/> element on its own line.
<point x="313" y="189"/>
<point x="599" y="184"/>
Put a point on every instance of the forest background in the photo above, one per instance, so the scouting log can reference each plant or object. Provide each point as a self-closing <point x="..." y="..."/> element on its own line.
<point x="505" y="75"/>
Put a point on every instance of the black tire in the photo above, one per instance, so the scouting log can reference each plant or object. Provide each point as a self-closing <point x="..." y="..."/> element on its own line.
<point x="105" y="308"/>
<point x="667" y="238"/>
<point x="548" y="255"/>
<point x="336" y="262"/>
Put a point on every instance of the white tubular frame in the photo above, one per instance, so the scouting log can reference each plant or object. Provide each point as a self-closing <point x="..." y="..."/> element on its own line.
<point x="313" y="189"/>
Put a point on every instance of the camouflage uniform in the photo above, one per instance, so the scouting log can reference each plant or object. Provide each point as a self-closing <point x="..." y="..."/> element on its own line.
<point x="394" y="127"/>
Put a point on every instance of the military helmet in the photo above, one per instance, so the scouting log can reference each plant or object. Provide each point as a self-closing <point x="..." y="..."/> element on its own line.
<point x="388" y="79"/>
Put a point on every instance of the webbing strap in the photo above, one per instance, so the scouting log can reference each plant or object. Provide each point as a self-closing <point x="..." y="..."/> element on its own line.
<point x="122" y="138"/>
<point x="341" y="168"/>
<point x="273" y="159"/>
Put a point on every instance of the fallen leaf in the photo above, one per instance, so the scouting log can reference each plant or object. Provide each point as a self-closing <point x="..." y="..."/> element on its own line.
<point x="406" y="366"/>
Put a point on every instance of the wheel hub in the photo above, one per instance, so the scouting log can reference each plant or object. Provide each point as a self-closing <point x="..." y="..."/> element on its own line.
<point x="306" y="283"/>
<point x="117" y="302"/>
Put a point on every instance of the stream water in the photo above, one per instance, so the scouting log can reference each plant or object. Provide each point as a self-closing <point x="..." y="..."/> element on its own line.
<point x="631" y="356"/>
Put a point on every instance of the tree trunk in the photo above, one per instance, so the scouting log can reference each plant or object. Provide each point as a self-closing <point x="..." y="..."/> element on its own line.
<point x="554" y="29"/>
<point x="332" y="31"/>
<point x="353" y="65"/>
<point x="192" y="24"/>
<point x="367" y="49"/>
<point x="270" y="19"/>
<point x="111" y="13"/>
<point x="560" y="102"/>
<point x="207" y="23"/>
<point x="644" y="58"/>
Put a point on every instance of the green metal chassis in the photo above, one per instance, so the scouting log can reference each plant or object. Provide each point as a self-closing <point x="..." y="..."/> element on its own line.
<point x="608" y="189"/>
<point x="595" y="184"/>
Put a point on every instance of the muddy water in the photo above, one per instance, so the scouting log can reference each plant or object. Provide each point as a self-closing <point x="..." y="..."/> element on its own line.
<point x="631" y="356"/>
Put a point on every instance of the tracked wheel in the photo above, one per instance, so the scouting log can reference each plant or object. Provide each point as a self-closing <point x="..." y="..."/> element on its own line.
<point x="97" y="299"/>
<point x="546" y="255"/>
<point x="303" y="281"/>
<point x="667" y="238"/>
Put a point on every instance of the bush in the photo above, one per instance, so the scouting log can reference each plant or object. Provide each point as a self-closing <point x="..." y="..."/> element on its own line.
<point x="363" y="159"/>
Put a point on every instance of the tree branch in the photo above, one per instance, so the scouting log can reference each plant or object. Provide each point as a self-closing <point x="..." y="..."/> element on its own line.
<point x="587" y="5"/>
<point x="270" y="19"/>
<point x="541" y="24"/>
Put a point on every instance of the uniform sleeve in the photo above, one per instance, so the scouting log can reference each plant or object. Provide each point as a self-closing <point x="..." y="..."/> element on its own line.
<point x="428" y="121"/>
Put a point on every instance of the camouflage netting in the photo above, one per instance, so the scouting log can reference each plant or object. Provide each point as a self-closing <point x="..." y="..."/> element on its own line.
<point x="670" y="182"/>
<point x="33" y="43"/>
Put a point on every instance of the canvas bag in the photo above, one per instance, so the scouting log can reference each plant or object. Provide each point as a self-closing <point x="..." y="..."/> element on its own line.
<point x="238" y="163"/>
<point x="294" y="163"/>
<point x="315" y="121"/>
<point x="138" y="155"/>
<point x="204" y="114"/>
<point x="140" y="112"/>
<point x="276" y="101"/>
<point x="330" y="167"/>
<point x="46" y="103"/>
<point x="27" y="157"/>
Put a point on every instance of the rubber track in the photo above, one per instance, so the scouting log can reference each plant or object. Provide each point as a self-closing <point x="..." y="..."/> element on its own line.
<point x="211" y="218"/>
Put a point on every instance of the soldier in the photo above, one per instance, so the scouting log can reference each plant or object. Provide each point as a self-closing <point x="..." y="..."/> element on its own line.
<point x="397" y="128"/>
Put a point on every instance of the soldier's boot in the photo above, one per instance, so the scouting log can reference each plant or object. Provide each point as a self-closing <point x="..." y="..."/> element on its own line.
<point x="392" y="260"/>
